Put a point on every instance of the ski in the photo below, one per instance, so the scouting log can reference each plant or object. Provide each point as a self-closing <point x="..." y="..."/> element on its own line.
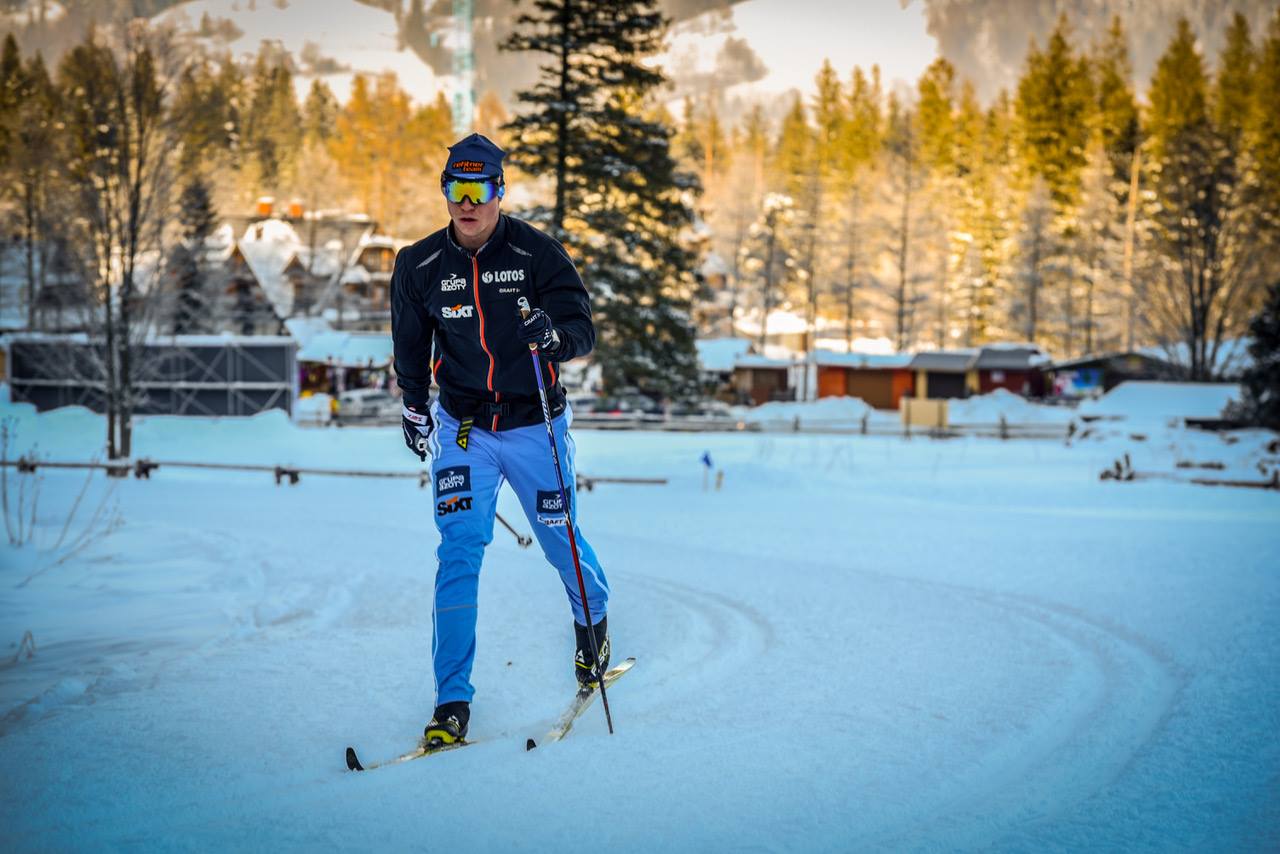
<point x="419" y="752"/>
<point x="581" y="702"/>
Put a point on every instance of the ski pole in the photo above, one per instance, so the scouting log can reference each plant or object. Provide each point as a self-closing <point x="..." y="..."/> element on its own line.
<point x="568" y="520"/>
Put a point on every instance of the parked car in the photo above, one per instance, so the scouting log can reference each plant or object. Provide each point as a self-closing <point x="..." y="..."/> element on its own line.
<point x="368" y="404"/>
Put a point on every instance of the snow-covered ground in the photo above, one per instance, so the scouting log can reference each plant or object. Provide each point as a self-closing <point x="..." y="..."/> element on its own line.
<point x="859" y="643"/>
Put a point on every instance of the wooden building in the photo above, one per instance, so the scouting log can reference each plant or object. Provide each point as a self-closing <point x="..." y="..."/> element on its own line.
<point x="942" y="374"/>
<point x="760" y="379"/>
<point x="1093" y="375"/>
<point x="1018" y="368"/>
<point x="879" y="380"/>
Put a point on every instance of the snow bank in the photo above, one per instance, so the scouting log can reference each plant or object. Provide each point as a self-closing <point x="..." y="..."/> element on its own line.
<point x="826" y="412"/>
<point x="1015" y="409"/>
<point x="1161" y="402"/>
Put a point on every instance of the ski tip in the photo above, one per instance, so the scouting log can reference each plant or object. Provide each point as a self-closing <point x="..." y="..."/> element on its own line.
<point x="530" y="744"/>
<point x="353" y="761"/>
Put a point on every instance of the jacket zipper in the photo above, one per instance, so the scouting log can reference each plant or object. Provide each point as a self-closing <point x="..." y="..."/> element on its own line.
<point x="475" y="277"/>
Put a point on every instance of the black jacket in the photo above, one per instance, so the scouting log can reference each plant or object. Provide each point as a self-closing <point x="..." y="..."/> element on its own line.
<point x="466" y="304"/>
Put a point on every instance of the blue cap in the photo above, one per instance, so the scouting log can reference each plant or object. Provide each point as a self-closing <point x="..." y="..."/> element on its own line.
<point x="474" y="157"/>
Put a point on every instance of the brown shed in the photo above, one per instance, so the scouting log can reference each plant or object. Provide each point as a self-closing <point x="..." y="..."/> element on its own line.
<point x="759" y="379"/>
<point x="880" y="380"/>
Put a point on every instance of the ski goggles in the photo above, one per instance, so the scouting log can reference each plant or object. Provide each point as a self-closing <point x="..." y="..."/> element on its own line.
<point x="479" y="191"/>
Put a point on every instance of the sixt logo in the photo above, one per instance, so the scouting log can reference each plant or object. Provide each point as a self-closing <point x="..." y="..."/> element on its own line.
<point x="550" y="507"/>
<point x="453" y="283"/>
<point x="491" y="276"/>
<point x="458" y="310"/>
<point x="454" y="505"/>
<point x="456" y="479"/>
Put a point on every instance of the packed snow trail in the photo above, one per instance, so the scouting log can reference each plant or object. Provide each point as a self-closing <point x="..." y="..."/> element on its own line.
<point x="859" y="642"/>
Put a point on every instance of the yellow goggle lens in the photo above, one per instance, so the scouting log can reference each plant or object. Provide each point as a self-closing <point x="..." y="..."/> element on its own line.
<point x="479" y="192"/>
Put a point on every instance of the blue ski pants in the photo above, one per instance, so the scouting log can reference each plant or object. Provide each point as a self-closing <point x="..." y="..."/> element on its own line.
<point x="466" y="483"/>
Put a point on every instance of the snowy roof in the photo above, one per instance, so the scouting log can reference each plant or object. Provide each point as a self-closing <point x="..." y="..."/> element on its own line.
<point x="870" y="361"/>
<point x="348" y="349"/>
<point x="1099" y="359"/>
<point x="1011" y="357"/>
<point x="957" y="361"/>
<point x="719" y="354"/>
<point x="304" y="329"/>
<point x="751" y="360"/>
<point x="268" y="246"/>
<point x="1160" y="401"/>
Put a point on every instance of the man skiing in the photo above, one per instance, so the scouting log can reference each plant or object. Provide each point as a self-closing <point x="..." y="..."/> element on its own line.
<point x="459" y="292"/>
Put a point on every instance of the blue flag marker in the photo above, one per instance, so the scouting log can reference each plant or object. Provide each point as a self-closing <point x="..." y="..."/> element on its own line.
<point x="706" y="459"/>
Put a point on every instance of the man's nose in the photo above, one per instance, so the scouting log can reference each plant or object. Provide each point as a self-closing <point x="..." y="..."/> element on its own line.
<point x="466" y="204"/>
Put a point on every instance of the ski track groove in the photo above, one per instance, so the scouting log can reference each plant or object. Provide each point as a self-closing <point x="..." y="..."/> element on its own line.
<point x="1129" y="689"/>
<point x="1000" y="798"/>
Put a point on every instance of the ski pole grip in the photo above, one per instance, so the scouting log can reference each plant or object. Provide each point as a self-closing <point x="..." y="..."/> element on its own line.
<point x="524" y="314"/>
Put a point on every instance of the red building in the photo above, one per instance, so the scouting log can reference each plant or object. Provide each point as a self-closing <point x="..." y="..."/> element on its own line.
<point x="1019" y="368"/>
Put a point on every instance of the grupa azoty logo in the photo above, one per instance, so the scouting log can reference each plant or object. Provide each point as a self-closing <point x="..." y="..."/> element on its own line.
<point x="453" y="283"/>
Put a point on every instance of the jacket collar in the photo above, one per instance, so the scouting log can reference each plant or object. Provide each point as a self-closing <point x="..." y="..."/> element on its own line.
<point x="497" y="239"/>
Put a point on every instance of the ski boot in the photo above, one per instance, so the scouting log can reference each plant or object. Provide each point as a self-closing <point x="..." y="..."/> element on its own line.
<point x="584" y="661"/>
<point x="448" y="725"/>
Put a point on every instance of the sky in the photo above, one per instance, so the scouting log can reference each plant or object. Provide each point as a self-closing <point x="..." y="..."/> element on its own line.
<point x="793" y="37"/>
<point x="790" y="37"/>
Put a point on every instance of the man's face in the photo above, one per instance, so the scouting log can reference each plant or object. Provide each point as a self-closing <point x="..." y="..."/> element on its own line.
<point x="473" y="223"/>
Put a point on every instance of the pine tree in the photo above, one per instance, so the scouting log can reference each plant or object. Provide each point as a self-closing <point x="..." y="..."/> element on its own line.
<point x="589" y="125"/>
<point x="860" y="142"/>
<point x="197" y="218"/>
<point x="319" y="112"/>
<point x="734" y="203"/>
<point x="1119" y="132"/>
<point x="940" y="140"/>
<point x="797" y="173"/>
<point x="1116" y="107"/>
<point x="1054" y="113"/>
<point x="1037" y="250"/>
<point x="1264" y="135"/>
<point x="1262" y="379"/>
<point x="1205" y="214"/>
<point x="768" y="257"/>
<point x="905" y="180"/>
<point x="1233" y="88"/>
<point x="11" y="82"/>
<point x="29" y="124"/>
<point x="273" y="123"/>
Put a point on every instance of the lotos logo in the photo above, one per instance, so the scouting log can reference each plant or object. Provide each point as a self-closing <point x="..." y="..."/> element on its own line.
<point x="453" y="283"/>
<point x="550" y="507"/>
<point x="458" y="310"/>
<point x="454" y="505"/>
<point x="456" y="479"/>
<point x="491" y="276"/>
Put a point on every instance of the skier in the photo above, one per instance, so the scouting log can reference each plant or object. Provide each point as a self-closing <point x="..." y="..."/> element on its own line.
<point x="459" y="290"/>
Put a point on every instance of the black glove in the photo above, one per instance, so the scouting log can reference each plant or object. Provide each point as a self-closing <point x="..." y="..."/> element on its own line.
<point x="416" y="421"/>
<point x="537" y="329"/>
